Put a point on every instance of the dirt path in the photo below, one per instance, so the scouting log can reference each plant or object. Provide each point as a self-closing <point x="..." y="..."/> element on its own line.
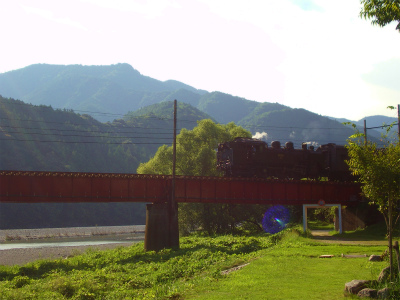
<point x="325" y="237"/>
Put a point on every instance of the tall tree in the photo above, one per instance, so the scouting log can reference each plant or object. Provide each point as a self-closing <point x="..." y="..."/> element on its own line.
<point x="382" y="12"/>
<point x="195" y="155"/>
<point x="378" y="170"/>
<point x="195" y="150"/>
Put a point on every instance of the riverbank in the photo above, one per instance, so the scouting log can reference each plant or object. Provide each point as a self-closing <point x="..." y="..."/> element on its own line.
<point x="127" y="234"/>
<point x="69" y="232"/>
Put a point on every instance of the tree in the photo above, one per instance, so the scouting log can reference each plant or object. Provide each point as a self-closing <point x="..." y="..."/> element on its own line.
<point x="195" y="156"/>
<point x="378" y="170"/>
<point x="195" y="150"/>
<point x="382" y="12"/>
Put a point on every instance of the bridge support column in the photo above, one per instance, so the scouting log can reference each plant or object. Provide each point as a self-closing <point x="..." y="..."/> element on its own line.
<point x="161" y="227"/>
<point x="306" y="206"/>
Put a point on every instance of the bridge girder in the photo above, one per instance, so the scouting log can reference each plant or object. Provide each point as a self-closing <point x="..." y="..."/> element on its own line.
<point x="51" y="187"/>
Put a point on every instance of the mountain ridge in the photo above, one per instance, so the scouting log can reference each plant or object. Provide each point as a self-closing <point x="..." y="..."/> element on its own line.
<point x="113" y="91"/>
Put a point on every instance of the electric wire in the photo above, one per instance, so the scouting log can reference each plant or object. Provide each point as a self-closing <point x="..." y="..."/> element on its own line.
<point x="117" y="131"/>
<point x="83" y="142"/>
<point x="182" y="120"/>
<point x="84" y="131"/>
<point x="245" y="126"/>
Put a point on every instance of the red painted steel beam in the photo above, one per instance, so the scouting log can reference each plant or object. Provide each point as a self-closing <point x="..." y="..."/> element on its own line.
<point x="42" y="187"/>
<point x="35" y="187"/>
<point x="263" y="191"/>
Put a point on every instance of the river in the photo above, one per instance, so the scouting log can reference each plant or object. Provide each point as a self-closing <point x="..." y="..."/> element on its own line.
<point x="69" y="237"/>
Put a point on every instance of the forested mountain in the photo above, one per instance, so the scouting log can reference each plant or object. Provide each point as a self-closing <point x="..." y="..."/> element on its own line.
<point x="41" y="138"/>
<point x="298" y="126"/>
<point x="114" y="89"/>
<point x="110" y="92"/>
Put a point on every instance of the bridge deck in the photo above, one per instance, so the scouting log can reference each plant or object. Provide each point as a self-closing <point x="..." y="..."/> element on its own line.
<point x="39" y="187"/>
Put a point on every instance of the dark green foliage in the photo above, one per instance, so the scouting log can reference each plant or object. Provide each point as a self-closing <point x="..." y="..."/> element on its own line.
<point x="381" y="12"/>
<point x="187" y="114"/>
<point x="60" y="140"/>
<point x="226" y="108"/>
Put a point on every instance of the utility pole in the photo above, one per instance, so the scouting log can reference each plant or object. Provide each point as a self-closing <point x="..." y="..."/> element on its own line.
<point x="173" y="207"/>
<point x="173" y="160"/>
<point x="365" y="132"/>
<point x="398" y="121"/>
<point x="162" y="230"/>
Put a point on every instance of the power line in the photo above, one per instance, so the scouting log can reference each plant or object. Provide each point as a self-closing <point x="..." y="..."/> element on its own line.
<point x="84" y="131"/>
<point x="382" y="126"/>
<point x="82" y="142"/>
<point x="85" y="136"/>
<point x="244" y="126"/>
<point x="170" y="119"/>
<point x="100" y="113"/>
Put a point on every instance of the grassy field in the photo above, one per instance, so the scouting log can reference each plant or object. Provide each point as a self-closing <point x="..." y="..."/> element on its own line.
<point x="314" y="225"/>
<point x="281" y="266"/>
<point x="295" y="271"/>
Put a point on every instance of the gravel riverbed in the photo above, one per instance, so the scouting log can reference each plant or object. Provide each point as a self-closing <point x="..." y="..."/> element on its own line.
<point x="128" y="234"/>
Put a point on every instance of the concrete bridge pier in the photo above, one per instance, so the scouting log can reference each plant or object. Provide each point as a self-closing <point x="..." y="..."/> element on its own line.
<point x="162" y="229"/>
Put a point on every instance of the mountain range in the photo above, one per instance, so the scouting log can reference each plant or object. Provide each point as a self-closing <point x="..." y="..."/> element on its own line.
<point x="112" y="92"/>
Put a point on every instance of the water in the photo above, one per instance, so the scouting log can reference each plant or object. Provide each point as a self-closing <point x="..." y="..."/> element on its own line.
<point x="71" y="242"/>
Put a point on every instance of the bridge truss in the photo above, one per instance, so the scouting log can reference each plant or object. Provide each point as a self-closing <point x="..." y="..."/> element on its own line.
<point x="51" y="187"/>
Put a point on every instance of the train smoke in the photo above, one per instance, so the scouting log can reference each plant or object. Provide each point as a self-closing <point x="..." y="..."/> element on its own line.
<point x="314" y="143"/>
<point x="261" y="135"/>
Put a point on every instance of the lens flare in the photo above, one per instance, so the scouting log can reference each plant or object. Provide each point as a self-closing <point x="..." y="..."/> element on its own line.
<point x="275" y="219"/>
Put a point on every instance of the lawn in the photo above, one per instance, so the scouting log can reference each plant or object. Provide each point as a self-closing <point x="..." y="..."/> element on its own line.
<point x="293" y="270"/>
<point x="281" y="266"/>
<point x="295" y="273"/>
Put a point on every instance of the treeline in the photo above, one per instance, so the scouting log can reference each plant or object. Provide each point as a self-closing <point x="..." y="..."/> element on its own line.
<point x="40" y="138"/>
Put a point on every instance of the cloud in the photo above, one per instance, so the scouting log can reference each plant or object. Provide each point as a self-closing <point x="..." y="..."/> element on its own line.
<point x="50" y="16"/>
<point x="385" y="74"/>
<point x="150" y="9"/>
<point x="306" y="5"/>
<point x="313" y="54"/>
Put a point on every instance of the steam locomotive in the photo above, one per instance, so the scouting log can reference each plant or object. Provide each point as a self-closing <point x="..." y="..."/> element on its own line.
<point x="248" y="157"/>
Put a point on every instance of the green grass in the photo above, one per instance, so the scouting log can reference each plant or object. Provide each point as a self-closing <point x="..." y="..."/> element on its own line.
<point x="317" y="225"/>
<point x="281" y="266"/>
<point x="293" y="270"/>
<point x="376" y="232"/>
<point x="129" y="272"/>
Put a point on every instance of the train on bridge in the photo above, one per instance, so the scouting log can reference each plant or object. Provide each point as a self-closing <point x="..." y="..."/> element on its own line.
<point x="249" y="157"/>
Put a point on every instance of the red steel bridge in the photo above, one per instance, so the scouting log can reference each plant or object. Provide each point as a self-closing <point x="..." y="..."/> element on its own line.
<point x="42" y="187"/>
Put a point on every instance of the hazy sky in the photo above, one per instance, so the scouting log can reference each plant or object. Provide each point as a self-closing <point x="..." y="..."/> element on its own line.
<point x="312" y="54"/>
